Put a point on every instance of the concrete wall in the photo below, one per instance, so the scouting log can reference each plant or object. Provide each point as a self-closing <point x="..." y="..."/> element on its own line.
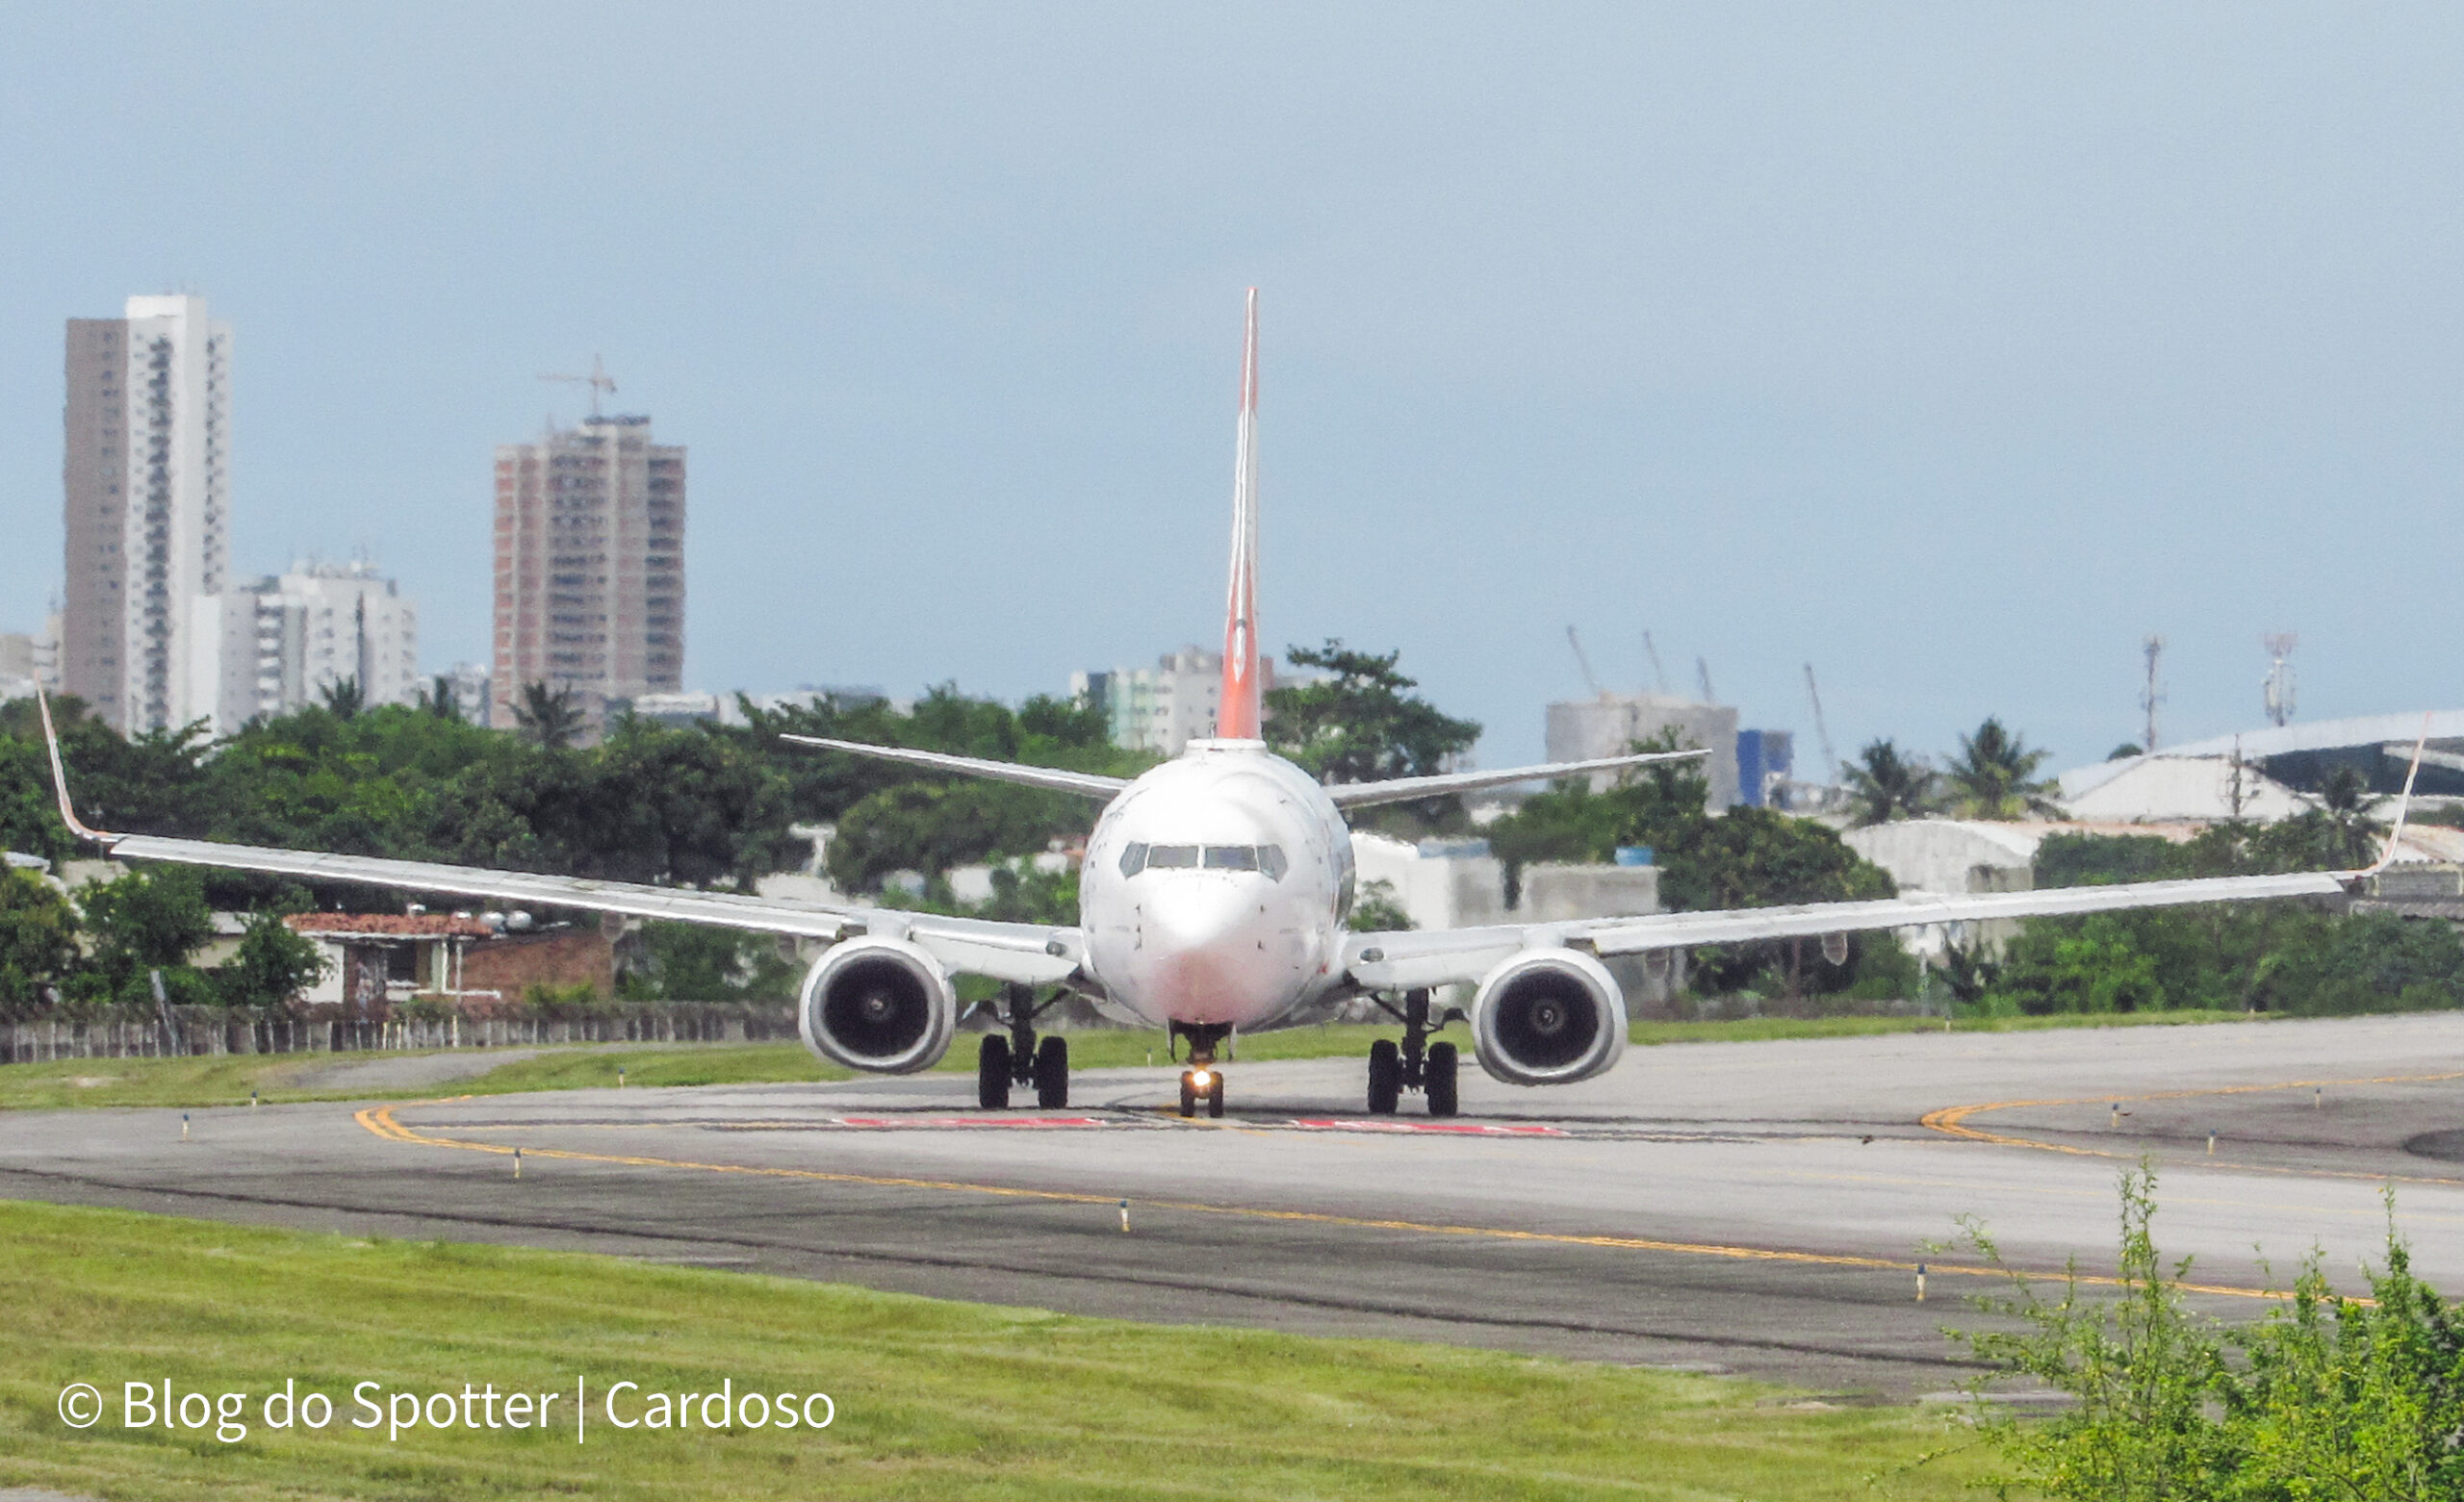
<point x="1555" y="893"/>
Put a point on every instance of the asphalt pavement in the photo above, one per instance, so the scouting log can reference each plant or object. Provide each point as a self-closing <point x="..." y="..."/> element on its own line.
<point x="1761" y="1209"/>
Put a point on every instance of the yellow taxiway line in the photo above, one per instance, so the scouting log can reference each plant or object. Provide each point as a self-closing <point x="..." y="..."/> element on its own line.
<point x="1952" y="1121"/>
<point x="380" y="1121"/>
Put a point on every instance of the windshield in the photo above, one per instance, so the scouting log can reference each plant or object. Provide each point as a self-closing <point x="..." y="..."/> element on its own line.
<point x="1263" y="859"/>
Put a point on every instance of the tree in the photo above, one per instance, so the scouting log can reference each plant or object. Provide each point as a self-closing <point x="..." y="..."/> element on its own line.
<point x="1660" y="805"/>
<point x="145" y="920"/>
<point x="692" y="962"/>
<point x="1360" y="723"/>
<point x="1885" y="783"/>
<point x="343" y="697"/>
<point x="1994" y="775"/>
<point x="272" y="966"/>
<point x="548" y="718"/>
<point x="441" y="699"/>
<point x="2351" y="835"/>
<point x="38" y="941"/>
<point x="1379" y="910"/>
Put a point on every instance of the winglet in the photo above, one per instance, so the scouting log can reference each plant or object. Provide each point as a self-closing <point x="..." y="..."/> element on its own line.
<point x="60" y="776"/>
<point x="2403" y="806"/>
<point x="1240" y="714"/>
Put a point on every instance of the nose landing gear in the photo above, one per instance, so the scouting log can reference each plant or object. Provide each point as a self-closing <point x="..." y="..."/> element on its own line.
<point x="1201" y="1081"/>
<point x="1418" y="1064"/>
<point x="1019" y="1058"/>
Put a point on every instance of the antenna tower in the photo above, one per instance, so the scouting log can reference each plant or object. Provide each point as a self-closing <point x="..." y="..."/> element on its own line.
<point x="2276" y="692"/>
<point x="2153" y="694"/>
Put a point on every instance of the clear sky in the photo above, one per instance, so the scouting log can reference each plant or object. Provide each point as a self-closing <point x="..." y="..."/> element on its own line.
<point x="1953" y="349"/>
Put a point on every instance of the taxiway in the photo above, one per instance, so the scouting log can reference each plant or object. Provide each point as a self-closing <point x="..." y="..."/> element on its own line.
<point x="1753" y="1208"/>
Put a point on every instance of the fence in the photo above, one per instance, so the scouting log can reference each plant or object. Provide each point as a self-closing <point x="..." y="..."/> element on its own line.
<point x="149" y="1033"/>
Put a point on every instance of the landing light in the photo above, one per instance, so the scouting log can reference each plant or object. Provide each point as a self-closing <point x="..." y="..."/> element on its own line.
<point x="1200" y="1078"/>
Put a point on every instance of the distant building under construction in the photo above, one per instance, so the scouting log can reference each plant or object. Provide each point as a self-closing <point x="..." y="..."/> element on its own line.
<point x="1609" y="725"/>
<point x="589" y="566"/>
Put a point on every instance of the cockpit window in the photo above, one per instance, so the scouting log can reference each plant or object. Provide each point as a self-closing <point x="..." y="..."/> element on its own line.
<point x="1266" y="858"/>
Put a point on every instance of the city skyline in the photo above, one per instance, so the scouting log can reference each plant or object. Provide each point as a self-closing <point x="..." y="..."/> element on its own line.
<point x="1956" y="356"/>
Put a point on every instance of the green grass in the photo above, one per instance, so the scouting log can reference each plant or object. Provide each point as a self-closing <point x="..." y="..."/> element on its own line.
<point x="934" y="1399"/>
<point x="226" y="1079"/>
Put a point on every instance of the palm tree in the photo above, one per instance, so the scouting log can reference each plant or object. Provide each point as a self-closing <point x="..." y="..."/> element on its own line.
<point x="548" y="717"/>
<point x="1994" y="776"/>
<point x="1884" y="783"/>
<point x="343" y="698"/>
<point x="2347" y="803"/>
<point x="441" y="701"/>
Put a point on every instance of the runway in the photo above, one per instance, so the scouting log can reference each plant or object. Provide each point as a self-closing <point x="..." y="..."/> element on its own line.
<point x="1752" y="1208"/>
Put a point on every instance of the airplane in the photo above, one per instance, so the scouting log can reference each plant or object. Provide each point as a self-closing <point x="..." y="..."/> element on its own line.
<point x="1213" y="903"/>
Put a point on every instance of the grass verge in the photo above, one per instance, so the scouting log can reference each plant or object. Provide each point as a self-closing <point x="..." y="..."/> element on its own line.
<point x="226" y="1079"/>
<point x="934" y="1398"/>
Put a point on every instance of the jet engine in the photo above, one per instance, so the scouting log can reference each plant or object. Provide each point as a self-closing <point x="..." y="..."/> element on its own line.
<point x="1549" y="1016"/>
<point x="878" y="1004"/>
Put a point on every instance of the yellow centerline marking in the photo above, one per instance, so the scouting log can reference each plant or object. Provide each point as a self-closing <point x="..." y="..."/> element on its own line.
<point x="1952" y="1121"/>
<point x="379" y="1121"/>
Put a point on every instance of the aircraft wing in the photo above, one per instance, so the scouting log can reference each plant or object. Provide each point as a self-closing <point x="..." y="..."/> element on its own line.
<point x="1398" y="790"/>
<point x="1033" y="953"/>
<point x="1382" y="961"/>
<point x="1087" y="784"/>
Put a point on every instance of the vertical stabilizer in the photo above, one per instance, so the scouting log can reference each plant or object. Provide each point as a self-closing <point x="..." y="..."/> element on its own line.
<point x="1239" y="716"/>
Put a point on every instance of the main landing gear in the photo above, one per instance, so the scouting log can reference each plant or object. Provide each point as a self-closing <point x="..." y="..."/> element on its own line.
<point x="1418" y="1064"/>
<point x="1201" y="1081"/>
<point x="1019" y="1058"/>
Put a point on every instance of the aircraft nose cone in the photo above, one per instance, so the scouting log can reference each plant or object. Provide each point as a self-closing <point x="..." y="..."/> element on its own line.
<point x="1195" y="914"/>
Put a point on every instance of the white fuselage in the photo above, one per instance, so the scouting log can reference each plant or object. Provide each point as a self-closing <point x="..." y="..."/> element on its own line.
<point x="1215" y="889"/>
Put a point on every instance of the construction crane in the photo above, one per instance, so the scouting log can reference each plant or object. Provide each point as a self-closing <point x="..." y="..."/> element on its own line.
<point x="1821" y="732"/>
<point x="1582" y="659"/>
<point x="598" y="380"/>
<point x="1659" y="675"/>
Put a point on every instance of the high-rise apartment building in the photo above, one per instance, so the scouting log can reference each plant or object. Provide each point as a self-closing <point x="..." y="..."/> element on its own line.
<point x="148" y="488"/>
<point x="289" y="638"/>
<point x="589" y="566"/>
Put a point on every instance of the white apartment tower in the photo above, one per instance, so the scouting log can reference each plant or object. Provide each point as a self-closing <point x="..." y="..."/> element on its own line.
<point x="1165" y="707"/>
<point x="288" y="639"/>
<point x="148" y="492"/>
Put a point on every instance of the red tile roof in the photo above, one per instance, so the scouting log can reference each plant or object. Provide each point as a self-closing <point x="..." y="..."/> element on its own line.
<point x="388" y="926"/>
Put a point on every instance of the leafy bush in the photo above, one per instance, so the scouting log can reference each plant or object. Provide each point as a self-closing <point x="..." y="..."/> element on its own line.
<point x="2324" y="1397"/>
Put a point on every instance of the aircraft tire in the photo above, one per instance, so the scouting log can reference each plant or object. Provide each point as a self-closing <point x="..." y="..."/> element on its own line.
<point x="1052" y="1074"/>
<point x="1439" y="1074"/>
<point x="1385" y="1077"/>
<point x="1214" y="1095"/>
<point x="1189" y="1095"/>
<point x="992" y="1073"/>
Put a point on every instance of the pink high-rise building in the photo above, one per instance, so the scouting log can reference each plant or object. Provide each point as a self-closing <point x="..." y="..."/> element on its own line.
<point x="589" y="566"/>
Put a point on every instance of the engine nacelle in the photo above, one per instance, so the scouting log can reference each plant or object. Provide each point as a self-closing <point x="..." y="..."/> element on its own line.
<point x="1549" y="1016"/>
<point x="879" y="1004"/>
